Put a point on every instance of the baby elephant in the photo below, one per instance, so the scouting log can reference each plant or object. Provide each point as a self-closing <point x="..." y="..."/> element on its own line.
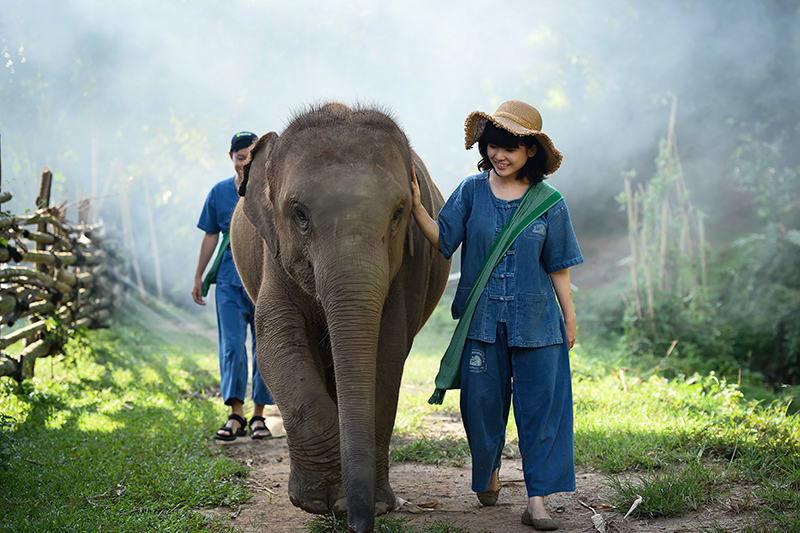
<point x="342" y="281"/>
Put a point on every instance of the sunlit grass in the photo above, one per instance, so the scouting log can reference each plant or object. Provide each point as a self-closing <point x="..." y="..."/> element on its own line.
<point x="682" y="441"/>
<point x="114" y="435"/>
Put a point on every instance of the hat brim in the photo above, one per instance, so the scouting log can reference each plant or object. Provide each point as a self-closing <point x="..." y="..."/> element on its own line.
<point x="476" y="123"/>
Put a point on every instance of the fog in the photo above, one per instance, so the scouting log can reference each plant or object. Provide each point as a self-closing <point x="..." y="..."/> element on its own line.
<point x="144" y="96"/>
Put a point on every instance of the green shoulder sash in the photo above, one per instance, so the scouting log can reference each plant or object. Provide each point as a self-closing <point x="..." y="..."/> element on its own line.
<point x="211" y="276"/>
<point x="536" y="201"/>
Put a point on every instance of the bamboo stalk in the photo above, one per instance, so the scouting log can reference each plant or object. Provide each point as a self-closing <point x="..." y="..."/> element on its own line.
<point x="9" y="367"/>
<point x="35" y="350"/>
<point x="632" y="223"/>
<point x="154" y="241"/>
<point x="7" y="303"/>
<point x="662" y="256"/>
<point x="24" y="275"/>
<point x="130" y="242"/>
<point x="20" y="334"/>
<point x="702" y="251"/>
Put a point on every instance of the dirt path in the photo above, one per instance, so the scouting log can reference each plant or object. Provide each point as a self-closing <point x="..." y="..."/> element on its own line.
<point x="270" y="510"/>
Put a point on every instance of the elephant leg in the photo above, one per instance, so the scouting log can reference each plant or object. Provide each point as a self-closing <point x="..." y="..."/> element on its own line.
<point x="289" y="362"/>
<point x="393" y="347"/>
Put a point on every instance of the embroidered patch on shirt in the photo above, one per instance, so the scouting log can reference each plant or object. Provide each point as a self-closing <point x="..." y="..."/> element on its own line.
<point x="536" y="230"/>
<point x="477" y="362"/>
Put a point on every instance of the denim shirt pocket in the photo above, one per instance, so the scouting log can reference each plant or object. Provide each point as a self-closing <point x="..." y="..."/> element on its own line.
<point x="459" y="301"/>
<point x="533" y="324"/>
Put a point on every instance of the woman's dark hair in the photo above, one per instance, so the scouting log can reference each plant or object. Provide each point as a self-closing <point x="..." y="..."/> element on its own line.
<point x="534" y="167"/>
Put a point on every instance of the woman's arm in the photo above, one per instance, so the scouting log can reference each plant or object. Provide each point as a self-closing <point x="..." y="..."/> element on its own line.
<point x="563" y="290"/>
<point x="428" y="226"/>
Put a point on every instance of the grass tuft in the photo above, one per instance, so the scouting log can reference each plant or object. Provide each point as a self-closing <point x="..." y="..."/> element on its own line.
<point x="435" y="451"/>
<point x="674" y="491"/>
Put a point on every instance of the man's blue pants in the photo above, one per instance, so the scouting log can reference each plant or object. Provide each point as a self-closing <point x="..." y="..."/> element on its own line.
<point x="235" y="312"/>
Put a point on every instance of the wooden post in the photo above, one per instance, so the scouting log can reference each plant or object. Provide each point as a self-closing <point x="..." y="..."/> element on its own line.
<point x="42" y="201"/>
<point x="83" y="211"/>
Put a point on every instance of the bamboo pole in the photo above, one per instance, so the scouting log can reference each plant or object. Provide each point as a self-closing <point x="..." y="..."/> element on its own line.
<point x="154" y="241"/>
<point x="632" y="225"/>
<point x="9" y="367"/>
<point x="702" y="248"/>
<point x="35" y="350"/>
<point x="130" y="242"/>
<point x="83" y="211"/>
<point x="32" y="329"/>
<point x="662" y="255"/>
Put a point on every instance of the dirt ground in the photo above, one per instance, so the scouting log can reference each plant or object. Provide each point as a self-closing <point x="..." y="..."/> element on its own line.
<point x="448" y="489"/>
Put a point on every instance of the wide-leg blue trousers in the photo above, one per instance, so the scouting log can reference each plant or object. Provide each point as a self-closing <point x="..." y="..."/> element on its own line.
<point x="235" y="312"/>
<point x="539" y="380"/>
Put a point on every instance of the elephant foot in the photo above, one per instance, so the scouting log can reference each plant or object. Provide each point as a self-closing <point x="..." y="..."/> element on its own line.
<point x="315" y="493"/>
<point x="385" y="500"/>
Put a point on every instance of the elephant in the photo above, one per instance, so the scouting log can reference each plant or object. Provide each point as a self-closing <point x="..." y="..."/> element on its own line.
<point x="342" y="280"/>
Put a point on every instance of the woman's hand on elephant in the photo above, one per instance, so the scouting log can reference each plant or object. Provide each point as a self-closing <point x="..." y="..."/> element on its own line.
<point x="428" y="226"/>
<point x="416" y="200"/>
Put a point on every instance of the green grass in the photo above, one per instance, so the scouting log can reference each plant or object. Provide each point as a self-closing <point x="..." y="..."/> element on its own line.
<point x="113" y="435"/>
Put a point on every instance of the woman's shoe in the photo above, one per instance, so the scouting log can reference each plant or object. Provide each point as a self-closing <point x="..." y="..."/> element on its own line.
<point x="542" y="524"/>
<point x="241" y="432"/>
<point x="489" y="497"/>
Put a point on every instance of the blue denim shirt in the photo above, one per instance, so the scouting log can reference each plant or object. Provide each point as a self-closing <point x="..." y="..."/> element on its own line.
<point x="519" y="291"/>
<point x="216" y="218"/>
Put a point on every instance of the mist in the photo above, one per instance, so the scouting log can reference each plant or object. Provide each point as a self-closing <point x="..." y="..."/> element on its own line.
<point x="143" y="97"/>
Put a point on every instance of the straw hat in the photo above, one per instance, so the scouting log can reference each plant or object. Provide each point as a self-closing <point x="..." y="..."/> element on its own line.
<point x="518" y="118"/>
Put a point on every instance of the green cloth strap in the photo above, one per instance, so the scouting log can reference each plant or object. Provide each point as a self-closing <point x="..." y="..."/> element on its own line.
<point x="536" y="201"/>
<point x="211" y="276"/>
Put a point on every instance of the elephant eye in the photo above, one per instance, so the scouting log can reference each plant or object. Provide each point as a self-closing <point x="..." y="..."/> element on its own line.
<point x="397" y="217"/>
<point x="301" y="217"/>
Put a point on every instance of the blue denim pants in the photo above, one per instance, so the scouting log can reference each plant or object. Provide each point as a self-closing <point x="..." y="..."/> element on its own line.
<point x="539" y="380"/>
<point x="235" y="312"/>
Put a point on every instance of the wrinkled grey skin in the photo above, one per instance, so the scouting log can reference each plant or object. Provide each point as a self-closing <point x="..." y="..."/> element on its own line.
<point x="342" y="280"/>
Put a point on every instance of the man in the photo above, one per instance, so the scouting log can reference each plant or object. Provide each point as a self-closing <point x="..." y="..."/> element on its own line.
<point x="234" y="308"/>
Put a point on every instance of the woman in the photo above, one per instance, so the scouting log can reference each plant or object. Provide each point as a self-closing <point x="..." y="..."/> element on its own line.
<point x="518" y="340"/>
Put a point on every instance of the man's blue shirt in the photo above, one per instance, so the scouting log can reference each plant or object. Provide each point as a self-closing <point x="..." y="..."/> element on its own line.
<point x="216" y="218"/>
<point x="519" y="291"/>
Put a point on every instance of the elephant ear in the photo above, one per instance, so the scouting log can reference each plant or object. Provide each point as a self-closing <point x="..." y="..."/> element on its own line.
<point x="255" y="190"/>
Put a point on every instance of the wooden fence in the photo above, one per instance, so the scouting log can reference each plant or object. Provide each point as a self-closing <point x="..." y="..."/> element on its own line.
<point x="55" y="277"/>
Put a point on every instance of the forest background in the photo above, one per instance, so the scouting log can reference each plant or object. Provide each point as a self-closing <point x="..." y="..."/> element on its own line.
<point x="137" y="102"/>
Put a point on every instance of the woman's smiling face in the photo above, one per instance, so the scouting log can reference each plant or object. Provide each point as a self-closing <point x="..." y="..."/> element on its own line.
<point x="508" y="162"/>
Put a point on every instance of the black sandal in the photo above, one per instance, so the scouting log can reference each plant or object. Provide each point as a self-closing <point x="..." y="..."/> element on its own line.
<point x="241" y="432"/>
<point x="259" y="429"/>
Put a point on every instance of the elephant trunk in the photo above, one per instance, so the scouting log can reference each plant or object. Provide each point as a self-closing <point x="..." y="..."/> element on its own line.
<point x="353" y="302"/>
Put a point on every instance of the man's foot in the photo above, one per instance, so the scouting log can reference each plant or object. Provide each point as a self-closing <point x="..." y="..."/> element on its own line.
<point x="234" y="428"/>
<point x="259" y="429"/>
